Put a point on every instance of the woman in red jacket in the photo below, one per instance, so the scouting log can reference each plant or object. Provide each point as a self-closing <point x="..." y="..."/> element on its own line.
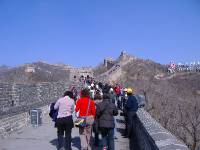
<point x="81" y="107"/>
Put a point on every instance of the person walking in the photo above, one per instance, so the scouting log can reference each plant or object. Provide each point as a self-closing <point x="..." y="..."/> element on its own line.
<point x="117" y="90"/>
<point x="106" y="111"/>
<point x="131" y="109"/>
<point x="112" y="95"/>
<point x="124" y="100"/>
<point x="64" y="121"/>
<point x="97" y="99"/>
<point x="86" y="107"/>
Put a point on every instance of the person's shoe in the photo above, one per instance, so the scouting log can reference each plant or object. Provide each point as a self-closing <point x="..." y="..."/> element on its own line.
<point x="125" y="135"/>
<point x="96" y="144"/>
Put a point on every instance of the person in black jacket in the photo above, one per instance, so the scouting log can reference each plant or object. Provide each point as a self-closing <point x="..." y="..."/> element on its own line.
<point x="105" y="112"/>
<point x="97" y="99"/>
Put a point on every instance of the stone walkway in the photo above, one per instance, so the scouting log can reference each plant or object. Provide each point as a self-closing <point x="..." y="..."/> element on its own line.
<point x="44" y="138"/>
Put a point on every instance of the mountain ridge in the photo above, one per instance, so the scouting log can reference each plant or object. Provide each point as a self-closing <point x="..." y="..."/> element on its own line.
<point x="172" y="99"/>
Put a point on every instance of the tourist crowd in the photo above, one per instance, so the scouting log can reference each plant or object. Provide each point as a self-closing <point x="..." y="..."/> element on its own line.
<point x="95" y="107"/>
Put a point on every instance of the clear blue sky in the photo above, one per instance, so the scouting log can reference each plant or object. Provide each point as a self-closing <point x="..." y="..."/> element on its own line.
<point x="83" y="32"/>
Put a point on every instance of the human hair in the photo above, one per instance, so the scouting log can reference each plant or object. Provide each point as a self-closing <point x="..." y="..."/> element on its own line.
<point x="97" y="96"/>
<point x="129" y="94"/>
<point x="106" y="96"/>
<point x="68" y="93"/>
<point x="85" y="93"/>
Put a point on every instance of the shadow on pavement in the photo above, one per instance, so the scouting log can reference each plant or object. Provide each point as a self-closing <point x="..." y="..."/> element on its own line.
<point x="54" y="142"/>
<point x="76" y="142"/>
<point x="121" y="130"/>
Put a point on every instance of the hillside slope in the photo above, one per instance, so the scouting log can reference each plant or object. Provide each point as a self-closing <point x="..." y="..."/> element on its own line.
<point x="43" y="72"/>
<point x="173" y="100"/>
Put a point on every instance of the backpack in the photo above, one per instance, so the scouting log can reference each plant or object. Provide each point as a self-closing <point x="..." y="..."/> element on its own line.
<point x="53" y="113"/>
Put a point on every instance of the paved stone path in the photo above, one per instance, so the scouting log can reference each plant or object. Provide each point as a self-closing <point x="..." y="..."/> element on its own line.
<point x="44" y="138"/>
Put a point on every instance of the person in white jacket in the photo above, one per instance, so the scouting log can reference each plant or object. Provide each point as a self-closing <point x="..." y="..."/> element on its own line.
<point x="64" y="121"/>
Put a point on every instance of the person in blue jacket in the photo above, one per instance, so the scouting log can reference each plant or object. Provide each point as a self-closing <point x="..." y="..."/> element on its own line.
<point x="131" y="108"/>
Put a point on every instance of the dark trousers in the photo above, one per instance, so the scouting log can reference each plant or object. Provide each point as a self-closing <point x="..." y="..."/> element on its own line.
<point x="130" y="120"/>
<point x="124" y="100"/>
<point x="96" y="132"/>
<point x="64" y="126"/>
<point x="133" y="139"/>
<point x="119" y="103"/>
<point x="131" y="129"/>
<point x="126" y="123"/>
<point x="96" y="138"/>
<point x="108" y="138"/>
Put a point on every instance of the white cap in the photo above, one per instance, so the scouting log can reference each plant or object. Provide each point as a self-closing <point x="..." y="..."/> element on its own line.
<point x="111" y="90"/>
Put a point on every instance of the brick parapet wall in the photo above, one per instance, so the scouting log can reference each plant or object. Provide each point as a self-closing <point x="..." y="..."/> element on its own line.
<point x="19" y="97"/>
<point x="163" y="139"/>
<point x="16" y="123"/>
<point x="16" y="100"/>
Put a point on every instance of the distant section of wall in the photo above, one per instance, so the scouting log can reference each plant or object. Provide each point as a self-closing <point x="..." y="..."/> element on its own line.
<point x="76" y="73"/>
<point x="109" y="63"/>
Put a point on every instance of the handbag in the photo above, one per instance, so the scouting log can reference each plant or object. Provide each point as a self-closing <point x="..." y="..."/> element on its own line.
<point x="85" y="120"/>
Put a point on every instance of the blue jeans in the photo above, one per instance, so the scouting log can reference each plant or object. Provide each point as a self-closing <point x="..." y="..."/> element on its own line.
<point x="108" y="138"/>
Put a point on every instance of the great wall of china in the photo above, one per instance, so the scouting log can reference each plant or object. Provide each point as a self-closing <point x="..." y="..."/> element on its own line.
<point x="17" y="99"/>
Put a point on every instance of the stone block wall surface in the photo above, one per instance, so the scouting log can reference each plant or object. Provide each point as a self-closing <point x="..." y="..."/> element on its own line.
<point x="16" y="100"/>
<point x="5" y="95"/>
<point x="16" y="97"/>
<point x="16" y="123"/>
<point x="163" y="138"/>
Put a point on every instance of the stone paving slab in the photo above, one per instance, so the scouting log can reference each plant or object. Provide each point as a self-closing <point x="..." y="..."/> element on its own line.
<point x="44" y="138"/>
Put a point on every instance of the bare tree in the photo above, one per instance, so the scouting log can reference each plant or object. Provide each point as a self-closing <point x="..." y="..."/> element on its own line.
<point x="189" y="122"/>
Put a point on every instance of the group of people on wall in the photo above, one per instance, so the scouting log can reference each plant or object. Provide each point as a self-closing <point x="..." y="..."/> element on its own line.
<point x="102" y="102"/>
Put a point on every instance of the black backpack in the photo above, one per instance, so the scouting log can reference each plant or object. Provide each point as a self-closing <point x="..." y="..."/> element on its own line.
<point x="53" y="113"/>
